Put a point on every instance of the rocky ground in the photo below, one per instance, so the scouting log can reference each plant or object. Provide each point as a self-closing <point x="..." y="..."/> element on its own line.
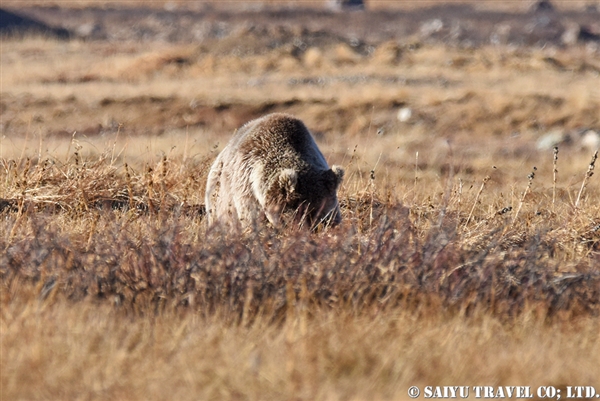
<point x="264" y="29"/>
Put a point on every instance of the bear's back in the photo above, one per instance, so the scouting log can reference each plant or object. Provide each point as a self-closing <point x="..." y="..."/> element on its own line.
<point x="280" y="141"/>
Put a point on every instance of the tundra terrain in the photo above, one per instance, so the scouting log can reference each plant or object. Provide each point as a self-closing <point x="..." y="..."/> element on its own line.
<point x="469" y="252"/>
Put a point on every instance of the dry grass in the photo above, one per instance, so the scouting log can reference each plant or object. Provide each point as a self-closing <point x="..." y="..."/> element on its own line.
<point x="112" y="287"/>
<point x="118" y="290"/>
<point x="89" y="351"/>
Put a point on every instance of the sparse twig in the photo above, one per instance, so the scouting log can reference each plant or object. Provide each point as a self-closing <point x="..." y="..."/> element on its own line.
<point x="530" y="177"/>
<point x="163" y="178"/>
<point x="150" y="191"/>
<point x="555" y="172"/>
<point x="372" y="176"/>
<point x="25" y="145"/>
<point x="449" y="185"/>
<point x="24" y="185"/>
<point x="163" y="187"/>
<point x="352" y="160"/>
<point x="460" y="188"/>
<point x="185" y="149"/>
<point x="40" y="146"/>
<point x="416" y="176"/>
<point x="129" y="189"/>
<point x="485" y="180"/>
<point x="69" y="147"/>
<point x="112" y="156"/>
<point x="588" y="174"/>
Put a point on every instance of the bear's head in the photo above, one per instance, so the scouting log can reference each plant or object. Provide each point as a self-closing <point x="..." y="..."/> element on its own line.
<point x="307" y="198"/>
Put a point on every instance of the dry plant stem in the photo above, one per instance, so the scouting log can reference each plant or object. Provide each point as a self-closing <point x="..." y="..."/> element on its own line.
<point x="416" y="176"/>
<point x="352" y="159"/>
<point x="24" y="185"/>
<point x="588" y="174"/>
<point x="26" y="141"/>
<point x="185" y="149"/>
<point x="40" y="146"/>
<point x="372" y="177"/>
<point x="485" y="180"/>
<point x="163" y="188"/>
<point x="112" y="156"/>
<point x="69" y="147"/>
<point x="129" y="189"/>
<point x="372" y="196"/>
<point x="555" y="172"/>
<point x="531" y="176"/>
<point x="371" y="121"/>
<point x="449" y="186"/>
<point x="150" y="192"/>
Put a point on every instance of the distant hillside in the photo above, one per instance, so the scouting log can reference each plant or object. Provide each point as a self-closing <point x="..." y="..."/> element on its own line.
<point x="14" y="24"/>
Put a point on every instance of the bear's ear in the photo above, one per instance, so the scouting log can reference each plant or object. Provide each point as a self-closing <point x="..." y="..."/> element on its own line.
<point x="333" y="178"/>
<point x="288" y="178"/>
<point x="339" y="174"/>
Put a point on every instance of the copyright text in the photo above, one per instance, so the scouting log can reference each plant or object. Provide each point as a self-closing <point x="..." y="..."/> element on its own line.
<point x="516" y="392"/>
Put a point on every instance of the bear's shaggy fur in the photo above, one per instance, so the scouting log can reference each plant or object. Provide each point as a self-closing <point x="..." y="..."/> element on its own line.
<point x="273" y="168"/>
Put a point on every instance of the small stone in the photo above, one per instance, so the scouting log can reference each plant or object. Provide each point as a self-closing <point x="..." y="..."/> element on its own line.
<point x="551" y="139"/>
<point x="404" y="114"/>
<point x="590" y="140"/>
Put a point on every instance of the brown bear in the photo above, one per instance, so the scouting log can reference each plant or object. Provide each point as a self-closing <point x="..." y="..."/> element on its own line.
<point x="273" y="169"/>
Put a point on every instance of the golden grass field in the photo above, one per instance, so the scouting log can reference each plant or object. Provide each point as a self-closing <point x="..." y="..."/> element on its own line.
<point x="454" y="266"/>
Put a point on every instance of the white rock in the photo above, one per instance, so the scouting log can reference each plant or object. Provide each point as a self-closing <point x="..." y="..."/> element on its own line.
<point x="550" y="140"/>
<point x="430" y="27"/>
<point x="404" y="114"/>
<point x="590" y="140"/>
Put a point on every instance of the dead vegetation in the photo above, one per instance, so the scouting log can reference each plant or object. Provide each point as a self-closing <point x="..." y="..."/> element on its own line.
<point x="90" y="229"/>
<point x="116" y="266"/>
